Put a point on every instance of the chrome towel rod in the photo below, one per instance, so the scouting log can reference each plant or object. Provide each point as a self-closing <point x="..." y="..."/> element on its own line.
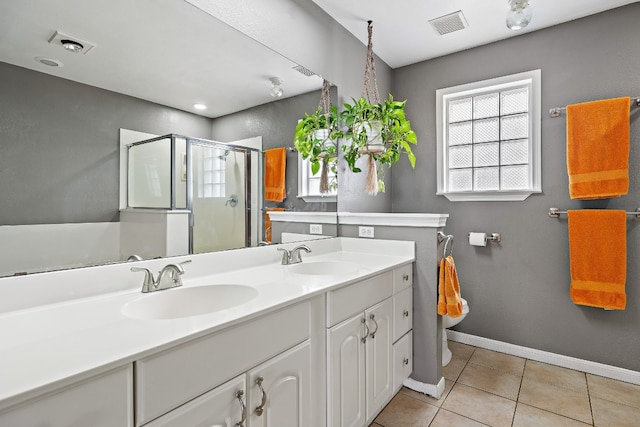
<point x="555" y="213"/>
<point x="556" y="111"/>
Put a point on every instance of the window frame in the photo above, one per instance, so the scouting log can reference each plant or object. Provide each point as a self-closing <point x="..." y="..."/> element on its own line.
<point x="304" y="177"/>
<point x="532" y="79"/>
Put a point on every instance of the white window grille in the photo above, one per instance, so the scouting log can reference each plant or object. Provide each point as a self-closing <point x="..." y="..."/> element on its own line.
<point x="488" y="142"/>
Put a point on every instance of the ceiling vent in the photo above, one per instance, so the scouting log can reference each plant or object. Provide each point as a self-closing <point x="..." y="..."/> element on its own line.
<point x="449" y="23"/>
<point x="302" y="70"/>
<point x="61" y="39"/>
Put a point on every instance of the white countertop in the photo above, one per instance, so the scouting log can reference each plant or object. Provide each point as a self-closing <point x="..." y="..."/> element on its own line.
<point x="44" y="347"/>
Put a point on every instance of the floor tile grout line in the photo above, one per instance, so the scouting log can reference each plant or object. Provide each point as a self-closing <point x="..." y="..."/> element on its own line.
<point x="593" y="420"/>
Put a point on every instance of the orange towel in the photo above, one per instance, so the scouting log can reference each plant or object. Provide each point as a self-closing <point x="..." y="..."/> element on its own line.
<point x="598" y="254"/>
<point x="449" y="300"/>
<point x="598" y="148"/>
<point x="275" y="163"/>
<point x="267" y="223"/>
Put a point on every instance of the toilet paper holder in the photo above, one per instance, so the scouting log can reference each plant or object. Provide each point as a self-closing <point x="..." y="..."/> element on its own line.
<point x="491" y="237"/>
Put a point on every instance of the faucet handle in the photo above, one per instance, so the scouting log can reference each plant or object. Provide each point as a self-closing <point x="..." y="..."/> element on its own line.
<point x="148" y="282"/>
<point x="286" y="256"/>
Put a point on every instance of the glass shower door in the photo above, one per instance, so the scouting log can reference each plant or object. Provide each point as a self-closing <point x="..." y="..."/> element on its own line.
<point x="219" y="219"/>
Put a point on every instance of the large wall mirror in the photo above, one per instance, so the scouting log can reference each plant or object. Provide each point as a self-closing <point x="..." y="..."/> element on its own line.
<point x="143" y="66"/>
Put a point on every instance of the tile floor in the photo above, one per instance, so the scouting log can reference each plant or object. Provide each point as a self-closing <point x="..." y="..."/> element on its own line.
<point x="486" y="388"/>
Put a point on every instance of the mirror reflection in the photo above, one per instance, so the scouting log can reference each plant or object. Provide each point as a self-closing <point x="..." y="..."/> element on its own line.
<point x="66" y="118"/>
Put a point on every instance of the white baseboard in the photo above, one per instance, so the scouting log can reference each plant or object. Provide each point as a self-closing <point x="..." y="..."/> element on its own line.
<point x="433" y="390"/>
<point x="587" y="366"/>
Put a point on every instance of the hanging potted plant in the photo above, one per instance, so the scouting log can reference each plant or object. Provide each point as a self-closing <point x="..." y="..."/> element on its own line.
<point x="376" y="129"/>
<point x="316" y="138"/>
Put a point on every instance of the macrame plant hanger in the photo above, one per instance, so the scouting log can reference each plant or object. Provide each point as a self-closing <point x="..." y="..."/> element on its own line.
<point x="325" y="106"/>
<point x="371" y="94"/>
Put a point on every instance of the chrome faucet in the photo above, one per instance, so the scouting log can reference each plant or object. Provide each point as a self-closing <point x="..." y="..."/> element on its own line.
<point x="169" y="277"/>
<point x="293" y="256"/>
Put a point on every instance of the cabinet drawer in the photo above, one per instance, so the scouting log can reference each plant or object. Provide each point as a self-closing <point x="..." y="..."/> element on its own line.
<point x="402" y="313"/>
<point x="102" y="401"/>
<point x="222" y="406"/>
<point x="175" y="376"/>
<point x="345" y="302"/>
<point x="402" y="360"/>
<point x="402" y="277"/>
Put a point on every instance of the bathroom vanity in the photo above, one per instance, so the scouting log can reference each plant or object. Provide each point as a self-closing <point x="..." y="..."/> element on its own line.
<point x="324" y="342"/>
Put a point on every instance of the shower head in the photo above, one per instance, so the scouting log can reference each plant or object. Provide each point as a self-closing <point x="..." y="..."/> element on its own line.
<point x="224" y="156"/>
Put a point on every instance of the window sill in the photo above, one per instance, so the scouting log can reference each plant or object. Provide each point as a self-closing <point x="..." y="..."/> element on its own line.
<point x="502" y="196"/>
<point x="332" y="198"/>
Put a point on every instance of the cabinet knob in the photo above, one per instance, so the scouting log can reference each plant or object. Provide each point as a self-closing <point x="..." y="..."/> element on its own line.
<point x="260" y="409"/>
<point x="239" y="395"/>
<point x="405" y="277"/>
<point x="405" y="313"/>
<point x="405" y="361"/>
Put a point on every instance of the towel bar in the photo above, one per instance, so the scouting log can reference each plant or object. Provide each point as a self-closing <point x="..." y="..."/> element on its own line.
<point x="557" y="111"/>
<point x="555" y="213"/>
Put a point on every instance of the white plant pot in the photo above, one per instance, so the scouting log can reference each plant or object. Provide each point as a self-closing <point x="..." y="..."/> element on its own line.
<point x="374" y="136"/>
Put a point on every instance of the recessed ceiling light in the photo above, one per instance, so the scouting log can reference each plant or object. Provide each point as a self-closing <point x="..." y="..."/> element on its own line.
<point x="72" y="46"/>
<point x="71" y="43"/>
<point x="48" y="61"/>
<point x="199" y="106"/>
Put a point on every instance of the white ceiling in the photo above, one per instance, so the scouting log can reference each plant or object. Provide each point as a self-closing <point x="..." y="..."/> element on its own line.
<point x="402" y="34"/>
<point x="173" y="53"/>
<point x="164" y="51"/>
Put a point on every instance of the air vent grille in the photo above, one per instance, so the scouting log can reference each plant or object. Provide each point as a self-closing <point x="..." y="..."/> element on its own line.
<point x="303" y="70"/>
<point x="449" y="23"/>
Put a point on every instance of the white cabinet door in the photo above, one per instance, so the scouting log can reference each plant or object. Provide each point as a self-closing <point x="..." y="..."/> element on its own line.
<point x="379" y="356"/>
<point x="283" y="395"/>
<point x="346" y="373"/>
<point x="224" y="406"/>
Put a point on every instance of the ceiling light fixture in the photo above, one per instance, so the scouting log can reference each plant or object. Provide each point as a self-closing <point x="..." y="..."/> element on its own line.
<point x="199" y="106"/>
<point x="72" y="46"/>
<point x="276" y="90"/>
<point x="519" y="14"/>
<point x="48" y="61"/>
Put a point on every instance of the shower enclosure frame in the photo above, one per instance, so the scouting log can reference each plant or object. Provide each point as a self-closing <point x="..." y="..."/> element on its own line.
<point x="189" y="141"/>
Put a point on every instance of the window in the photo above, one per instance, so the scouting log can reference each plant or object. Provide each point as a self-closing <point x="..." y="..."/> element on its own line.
<point x="489" y="139"/>
<point x="309" y="184"/>
<point x="212" y="172"/>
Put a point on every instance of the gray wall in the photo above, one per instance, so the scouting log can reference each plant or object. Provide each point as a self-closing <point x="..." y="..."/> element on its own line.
<point x="518" y="291"/>
<point x="59" y="145"/>
<point x="307" y="35"/>
<point x="276" y="123"/>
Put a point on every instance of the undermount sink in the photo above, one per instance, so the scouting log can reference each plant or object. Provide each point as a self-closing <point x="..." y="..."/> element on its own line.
<point x="188" y="301"/>
<point x="324" y="268"/>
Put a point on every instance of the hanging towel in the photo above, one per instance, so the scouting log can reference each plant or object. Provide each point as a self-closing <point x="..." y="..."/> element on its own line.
<point x="598" y="148"/>
<point x="275" y="163"/>
<point x="449" y="299"/>
<point x="598" y="256"/>
<point x="267" y="223"/>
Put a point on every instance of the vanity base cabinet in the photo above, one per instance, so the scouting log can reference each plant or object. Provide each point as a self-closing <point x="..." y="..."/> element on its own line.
<point x="362" y="373"/>
<point x="360" y="376"/>
<point x="102" y="401"/>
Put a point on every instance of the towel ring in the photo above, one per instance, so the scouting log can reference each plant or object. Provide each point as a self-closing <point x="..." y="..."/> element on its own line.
<point x="446" y="244"/>
<point x="446" y="238"/>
